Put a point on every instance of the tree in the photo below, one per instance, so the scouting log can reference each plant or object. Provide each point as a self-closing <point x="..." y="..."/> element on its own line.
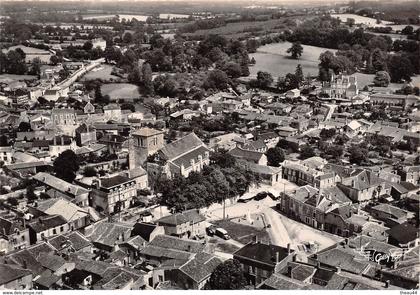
<point x="24" y="127"/>
<point x="264" y="79"/>
<point x="307" y="151"/>
<point x="358" y="155"/>
<point x="66" y="165"/>
<point x="408" y="30"/>
<point x="227" y="276"/>
<point x="400" y="68"/>
<point x="35" y="67"/>
<point x="382" y="79"/>
<point x="223" y="159"/>
<point x="274" y="156"/>
<point x="233" y="70"/>
<point x="128" y="38"/>
<point x="146" y="75"/>
<point x="54" y="60"/>
<point x="216" y="79"/>
<point x="350" y="22"/>
<point x="296" y="50"/>
<point x="87" y="46"/>
<point x="89" y="171"/>
<point x="299" y="74"/>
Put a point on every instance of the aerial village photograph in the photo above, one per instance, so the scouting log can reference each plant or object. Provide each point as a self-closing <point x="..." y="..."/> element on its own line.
<point x="244" y="145"/>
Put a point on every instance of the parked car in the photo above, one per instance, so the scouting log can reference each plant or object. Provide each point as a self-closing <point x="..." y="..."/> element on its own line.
<point x="263" y="195"/>
<point x="222" y="233"/>
<point x="211" y="231"/>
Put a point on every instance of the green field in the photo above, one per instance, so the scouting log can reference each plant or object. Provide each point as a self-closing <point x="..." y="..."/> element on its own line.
<point x="244" y="29"/>
<point x="274" y="59"/>
<point x="103" y="72"/>
<point x="120" y="91"/>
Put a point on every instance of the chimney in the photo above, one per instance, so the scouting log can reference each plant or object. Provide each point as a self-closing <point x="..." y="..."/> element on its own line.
<point x="289" y="271"/>
<point x="189" y="248"/>
<point x="387" y="284"/>
<point x="277" y="257"/>
<point x="288" y="249"/>
<point x="318" y="265"/>
<point x="256" y="239"/>
<point x="116" y="247"/>
<point x="346" y="241"/>
<point x="338" y="269"/>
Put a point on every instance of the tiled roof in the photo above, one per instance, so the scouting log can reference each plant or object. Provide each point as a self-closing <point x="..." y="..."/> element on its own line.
<point x="201" y="267"/>
<point x="185" y="159"/>
<point x="51" y="261"/>
<point x="262" y="253"/>
<point x="404" y="233"/>
<point x="114" y="181"/>
<point x="246" y="154"/>
<point x="107" y="233"/>
<point x="69" y="211"/>
<point x="192" y="215"/>
<point x="392" y="210"/>
<point x="179" y="244"/>
<point x="75" y="239"/>
<point x="46" y="222"/>
<point x="10" y="273"/>
<point x="143" y="230"/>
<point x="181" y="146"/>
<point x="147" y="132"/>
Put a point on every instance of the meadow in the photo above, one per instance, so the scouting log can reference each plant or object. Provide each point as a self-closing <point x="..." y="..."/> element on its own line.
<point x="274" y="59"/>
<point x="103" y="72"/>
<point x="120" y="91"/>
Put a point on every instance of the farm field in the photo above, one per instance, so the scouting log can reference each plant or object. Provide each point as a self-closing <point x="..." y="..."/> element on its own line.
<point x="7" y="78"/>
<point x="361" y="19"/>
<point x="241" y="29"/>
<point x="103" y="72"/>
<point x="128" y="17"/>
<point x="273" y="58"/>
<point x="120" y="91"/>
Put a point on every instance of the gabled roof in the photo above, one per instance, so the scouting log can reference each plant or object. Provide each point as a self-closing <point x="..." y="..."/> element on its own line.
<point x="143" y="230"/>
<point x="192" y="215"/>
<point x="69" y="211"/>
<point x="181" y="146"/>
<point x="147" y="132"/>
<point x="404" y="233"/>
<point x="240" y="153"/>
<point x="392" y="210"/>
<point x="174" y="243"/>
<point x="74" y="239"/>
<point x="200" y="267"/>
<point x="10" y="273"/>
<point x="262" y="253"/>
<point x="108" y="234"/>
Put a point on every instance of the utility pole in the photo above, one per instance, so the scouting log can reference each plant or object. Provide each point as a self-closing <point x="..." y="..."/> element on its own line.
<point x="224" y="207"/>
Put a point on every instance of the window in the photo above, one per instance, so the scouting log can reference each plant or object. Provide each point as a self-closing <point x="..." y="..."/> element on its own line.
<point x="54" y="231"/>
<point x="61" y="229"/>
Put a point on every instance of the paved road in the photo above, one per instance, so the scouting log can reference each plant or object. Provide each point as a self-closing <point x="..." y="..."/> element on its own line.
<point x="330" y="111"/>
<point x="277" y="231"/>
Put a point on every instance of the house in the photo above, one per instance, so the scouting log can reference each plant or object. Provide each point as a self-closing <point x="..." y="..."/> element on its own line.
<point x="15" y="234"/>
<point x="268" y="174"/>
<point x="400" y="100"/>
<point x="85" y="135"/>
<point x="286" y="131"/>
<point x="224" y="142"/>
<point x="293" y="93"/>
<point x="60" y="144"/>
<point x="181" y="157"/>
<point x="107" y="235"/>
<point x="147" y="231"/>
<point x="248" y="155"/>
<point x="361" y="185"/>
<point x="76" y="217"/>
<point x="71" y="242"/>
<point x="163" y="248"/>
<point x="259" y="260"/>
<point x="113" y="194"/>
<point x="404" y="235"/>
<point x="114" y="143"/>
<point x="187" y="224"/>
<point x="185" y="115"/>
<point x="139" y="175"/>
<point x="6" y="154"/>
<point x="113" y="112"/>
<point x="309" y="171"/>
<point x="13" y="277"/>
<point x="57" y="187"/>
<point x="47" y="226"/>
<point x="194" y="274"/>
<point x="391" y="215"/>
<point x="310" y="205"/>
<point x="410" y="174"/>
<point x="353" y="128"/>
